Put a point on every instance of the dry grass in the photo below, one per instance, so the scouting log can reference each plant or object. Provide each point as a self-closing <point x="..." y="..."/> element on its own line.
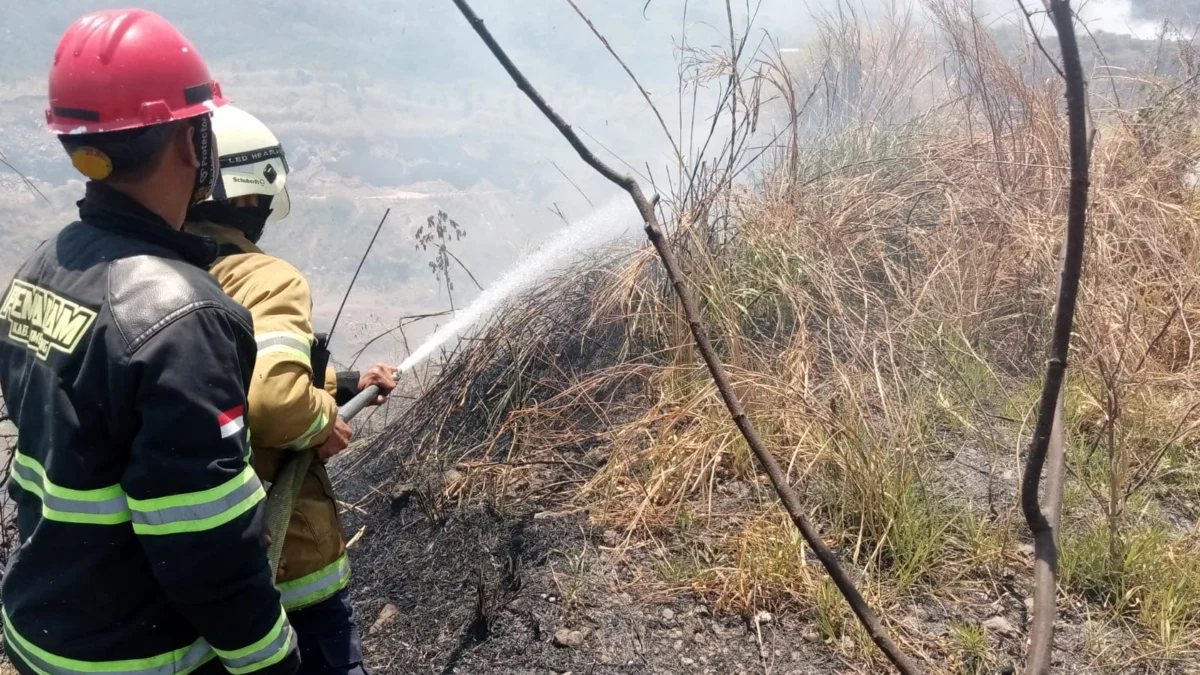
<point x="881" y="292"/>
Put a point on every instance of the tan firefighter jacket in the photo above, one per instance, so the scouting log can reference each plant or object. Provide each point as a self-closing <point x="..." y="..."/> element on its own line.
<point x="287" y="413"/>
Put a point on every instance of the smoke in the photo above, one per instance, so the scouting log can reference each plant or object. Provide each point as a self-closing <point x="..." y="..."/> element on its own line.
<point x="1116" y="16"/>
<point x="1108" y="16"/>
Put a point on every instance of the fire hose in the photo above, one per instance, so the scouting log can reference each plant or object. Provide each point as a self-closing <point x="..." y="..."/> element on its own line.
<point x="281" y="499"/>
<point x="285" y="489"/>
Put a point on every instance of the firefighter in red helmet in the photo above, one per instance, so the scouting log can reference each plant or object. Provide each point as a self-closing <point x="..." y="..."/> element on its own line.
<point x="125" y="368"/>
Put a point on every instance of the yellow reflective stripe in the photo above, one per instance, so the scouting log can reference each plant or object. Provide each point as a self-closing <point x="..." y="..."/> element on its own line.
<point x="103" y="506"/>
<point x="313" y="588"/>
<point x="271" y="649"/>
<point x="318" y="425"/>
<point x="177" y="662"/>
<point x="198" y="511"/>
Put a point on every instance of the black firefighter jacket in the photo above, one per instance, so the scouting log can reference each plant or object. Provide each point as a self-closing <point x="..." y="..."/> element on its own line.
<point x="125" y="369"/>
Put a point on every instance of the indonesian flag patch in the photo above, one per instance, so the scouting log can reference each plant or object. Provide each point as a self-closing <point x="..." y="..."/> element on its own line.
<point x="231" y="421"/>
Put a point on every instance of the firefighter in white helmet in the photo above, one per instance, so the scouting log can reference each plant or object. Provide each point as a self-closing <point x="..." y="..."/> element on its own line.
<point x="253" y="179"/>
<point x="294" y="395"/>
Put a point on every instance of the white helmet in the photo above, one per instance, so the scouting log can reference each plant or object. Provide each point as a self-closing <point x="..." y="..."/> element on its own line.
<point x="252" y="160"/>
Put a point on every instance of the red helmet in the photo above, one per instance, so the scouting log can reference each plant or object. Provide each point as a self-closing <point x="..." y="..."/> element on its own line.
<point x="123" y="69"/>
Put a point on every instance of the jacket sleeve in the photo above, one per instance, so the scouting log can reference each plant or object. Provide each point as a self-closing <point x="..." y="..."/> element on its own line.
<point x="286" y="410"/>
<point x="342" y="386"/>
<point x="196" y="504"/>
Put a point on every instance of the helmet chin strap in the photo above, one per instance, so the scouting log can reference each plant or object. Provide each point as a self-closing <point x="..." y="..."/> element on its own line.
<point x="250" y="220"/>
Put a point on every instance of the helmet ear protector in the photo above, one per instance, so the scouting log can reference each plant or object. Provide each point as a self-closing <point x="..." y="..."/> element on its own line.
<point x="92" y="162"/>
<point x="99" y="156"/>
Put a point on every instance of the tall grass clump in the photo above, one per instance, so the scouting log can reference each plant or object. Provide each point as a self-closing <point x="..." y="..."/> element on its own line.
<point x="874" y="246"/>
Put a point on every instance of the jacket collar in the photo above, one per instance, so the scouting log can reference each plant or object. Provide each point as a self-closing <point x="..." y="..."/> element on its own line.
<point x="109" y="209"/>
<point x="230" y="240"/>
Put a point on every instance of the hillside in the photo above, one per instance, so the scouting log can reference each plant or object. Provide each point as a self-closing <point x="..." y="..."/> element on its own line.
<point x="378" y="106"/>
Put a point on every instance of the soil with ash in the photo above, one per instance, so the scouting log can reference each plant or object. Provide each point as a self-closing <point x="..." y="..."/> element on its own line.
<point x="536" y="588"/>
<point x="540" y="592"/>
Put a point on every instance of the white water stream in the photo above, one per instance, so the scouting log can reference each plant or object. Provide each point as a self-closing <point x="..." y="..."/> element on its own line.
<point x="601" y="226"/>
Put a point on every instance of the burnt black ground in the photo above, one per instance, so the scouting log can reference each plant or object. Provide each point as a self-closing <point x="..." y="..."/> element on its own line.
<point x="478" y="590"/>
<point x="540" y="575"/>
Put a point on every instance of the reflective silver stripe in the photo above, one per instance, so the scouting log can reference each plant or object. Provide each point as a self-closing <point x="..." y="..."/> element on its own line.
<point x="178" y="662"/>
<point x="189" y="512"/>
<point x="105" y="506"/>
<point x="111" y="506"/>
<point x="317" y="586"/>
<point x="249" y="663"/>
<point x="198" y="511"/>
<point x="294" y="343"/>
<point x="272" y="648"/>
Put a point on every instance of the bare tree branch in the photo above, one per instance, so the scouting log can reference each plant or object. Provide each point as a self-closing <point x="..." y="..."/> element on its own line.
<point x="337" y="317"/>
<point x="645" y="94"/>
<point x="1041" y="526"/>
<point x="581" y="192"/>
<point x="1038" y="40"/>
<point x="475" y="281"/>
<point x="400" y="324"/>
<point x="691" y="310"/>
<point x="24" y="179"/>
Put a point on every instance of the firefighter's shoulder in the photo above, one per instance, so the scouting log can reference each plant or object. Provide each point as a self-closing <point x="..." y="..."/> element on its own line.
<point x="258" y="281"/>
<point x="147" y="293"/>
<point x="262" y="267"/>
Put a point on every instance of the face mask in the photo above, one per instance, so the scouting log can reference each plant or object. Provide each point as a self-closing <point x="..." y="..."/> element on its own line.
<point x="206" y="175"/>
<point x="251" y="220"/>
